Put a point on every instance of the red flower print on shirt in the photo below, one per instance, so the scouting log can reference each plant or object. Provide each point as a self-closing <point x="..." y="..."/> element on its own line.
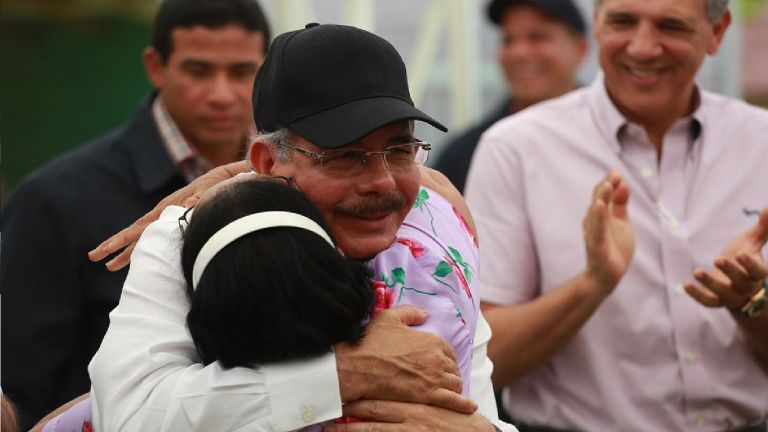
<point x="460" y="316"/>
<point x="460" y="276"/>
<point x="87" y="426"/>
<point x="417" y="249"/>
<point x="465" y="226"/>
<point x="384" y="297"/>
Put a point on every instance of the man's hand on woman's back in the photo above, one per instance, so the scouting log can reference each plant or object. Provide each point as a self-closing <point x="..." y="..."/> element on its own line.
<point x="395" y="362"/>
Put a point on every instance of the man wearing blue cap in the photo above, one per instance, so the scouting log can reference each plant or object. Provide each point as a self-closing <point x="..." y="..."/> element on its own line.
<point x="324" y="94"/>
<point x="542" y="44"/>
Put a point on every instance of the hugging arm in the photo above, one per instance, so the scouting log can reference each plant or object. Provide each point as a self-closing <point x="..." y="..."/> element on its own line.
<point x="439" y="183"/>
<point x="125" y="241"/>
<point x="398" y="416"/>
<point x="147" y="375"/>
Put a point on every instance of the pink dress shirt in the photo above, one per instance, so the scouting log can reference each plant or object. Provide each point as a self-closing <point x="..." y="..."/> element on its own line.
<point x="433" y="265"/>
<point x="650" y="358"/>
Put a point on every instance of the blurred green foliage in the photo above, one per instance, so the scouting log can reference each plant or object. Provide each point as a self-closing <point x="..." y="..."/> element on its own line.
<point x="64" y="81"/>
<point x="751" y="9"/>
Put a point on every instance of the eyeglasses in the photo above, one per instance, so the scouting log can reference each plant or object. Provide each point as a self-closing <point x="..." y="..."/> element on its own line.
<point x="352" y="161"/>
<point x="183" y="221"/>
<point x="287" y="180"/>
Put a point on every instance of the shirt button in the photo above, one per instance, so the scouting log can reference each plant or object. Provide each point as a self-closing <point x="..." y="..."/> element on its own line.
<point x="691" y="358"/>
<point x="699" y="419"/>
<point x="646" y="173"/>
<point x="680" y="290"/>
<point x="308" y="414"/>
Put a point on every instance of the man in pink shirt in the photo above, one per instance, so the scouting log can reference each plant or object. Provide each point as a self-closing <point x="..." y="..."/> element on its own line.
<point x="614" y="336"/>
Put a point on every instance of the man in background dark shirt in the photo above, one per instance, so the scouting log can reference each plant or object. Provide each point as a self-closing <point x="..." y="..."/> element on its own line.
<point x="202" y="63"/>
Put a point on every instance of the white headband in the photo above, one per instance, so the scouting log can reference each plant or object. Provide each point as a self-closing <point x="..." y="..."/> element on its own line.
<point x="246" y="225"/>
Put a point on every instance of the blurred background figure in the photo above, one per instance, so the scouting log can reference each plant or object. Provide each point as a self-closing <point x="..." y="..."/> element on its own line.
<point x="58" y="88"/>
<point x="202" y="62"/>
<point x="542" y="45"/>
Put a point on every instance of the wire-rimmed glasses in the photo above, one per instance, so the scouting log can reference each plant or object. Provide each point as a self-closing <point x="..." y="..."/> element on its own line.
<point x="352" y="161"/>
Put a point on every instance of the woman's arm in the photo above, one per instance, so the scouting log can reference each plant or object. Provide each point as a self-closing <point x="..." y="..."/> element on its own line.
<point x="439" y="183"/>
<point x="187" y="196"/>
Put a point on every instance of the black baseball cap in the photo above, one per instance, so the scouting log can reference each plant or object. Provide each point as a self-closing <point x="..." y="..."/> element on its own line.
<point x="332" y="84"/>
<point x="564" y="11"/>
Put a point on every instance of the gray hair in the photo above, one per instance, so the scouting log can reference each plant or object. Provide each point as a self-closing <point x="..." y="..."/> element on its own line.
<point x="277" y="140"/>
<point x="284" y="136"/>
<point x="715" y="9"/>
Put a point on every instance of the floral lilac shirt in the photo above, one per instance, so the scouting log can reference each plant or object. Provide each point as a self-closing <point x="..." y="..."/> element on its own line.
<point x="76" y="419"/>
<point x="432" y="265"/>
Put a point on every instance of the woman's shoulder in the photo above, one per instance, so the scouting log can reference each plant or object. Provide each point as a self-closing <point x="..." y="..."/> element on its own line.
<point x="434" y="219"/>
<point x="172" y="213"/>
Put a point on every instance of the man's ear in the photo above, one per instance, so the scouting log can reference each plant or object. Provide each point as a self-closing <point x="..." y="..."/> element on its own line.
<point x="718" y="30"/>
<point x="582" y="48"/>
<point x="154" y="67"/>
<point x="261" y="157"/>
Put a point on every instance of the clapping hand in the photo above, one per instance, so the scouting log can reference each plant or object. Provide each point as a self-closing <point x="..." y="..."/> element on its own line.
<point x="608" y="233"/>
<point x="738" y="273"/>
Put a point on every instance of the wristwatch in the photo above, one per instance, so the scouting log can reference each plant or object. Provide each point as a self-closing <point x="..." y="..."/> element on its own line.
<point x="757" y="304"/>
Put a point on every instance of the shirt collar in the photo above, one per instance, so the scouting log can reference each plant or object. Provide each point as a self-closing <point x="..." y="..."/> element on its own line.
<point x="613" y="125"/>
<point x="609" y="120"/>
<point x="185" y="157"/>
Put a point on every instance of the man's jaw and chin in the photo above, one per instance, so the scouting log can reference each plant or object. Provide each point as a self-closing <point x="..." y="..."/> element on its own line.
<point x="364" y="246"/>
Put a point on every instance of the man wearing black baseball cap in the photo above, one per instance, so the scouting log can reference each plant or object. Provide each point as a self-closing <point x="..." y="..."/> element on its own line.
<point x="543" y="42"/>
<point x="334" y="112"/>
<point x="326" y="87"/>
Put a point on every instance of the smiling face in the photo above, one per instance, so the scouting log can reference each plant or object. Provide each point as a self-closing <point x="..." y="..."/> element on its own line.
<point x="539" y="55"/>
<point x="207" y="80"/>
<point x="363" y="211"/>
<point x="650" y="51"/>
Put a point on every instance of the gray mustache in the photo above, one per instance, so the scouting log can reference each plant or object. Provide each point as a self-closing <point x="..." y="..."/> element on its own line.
<point x="367" y="206"/>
